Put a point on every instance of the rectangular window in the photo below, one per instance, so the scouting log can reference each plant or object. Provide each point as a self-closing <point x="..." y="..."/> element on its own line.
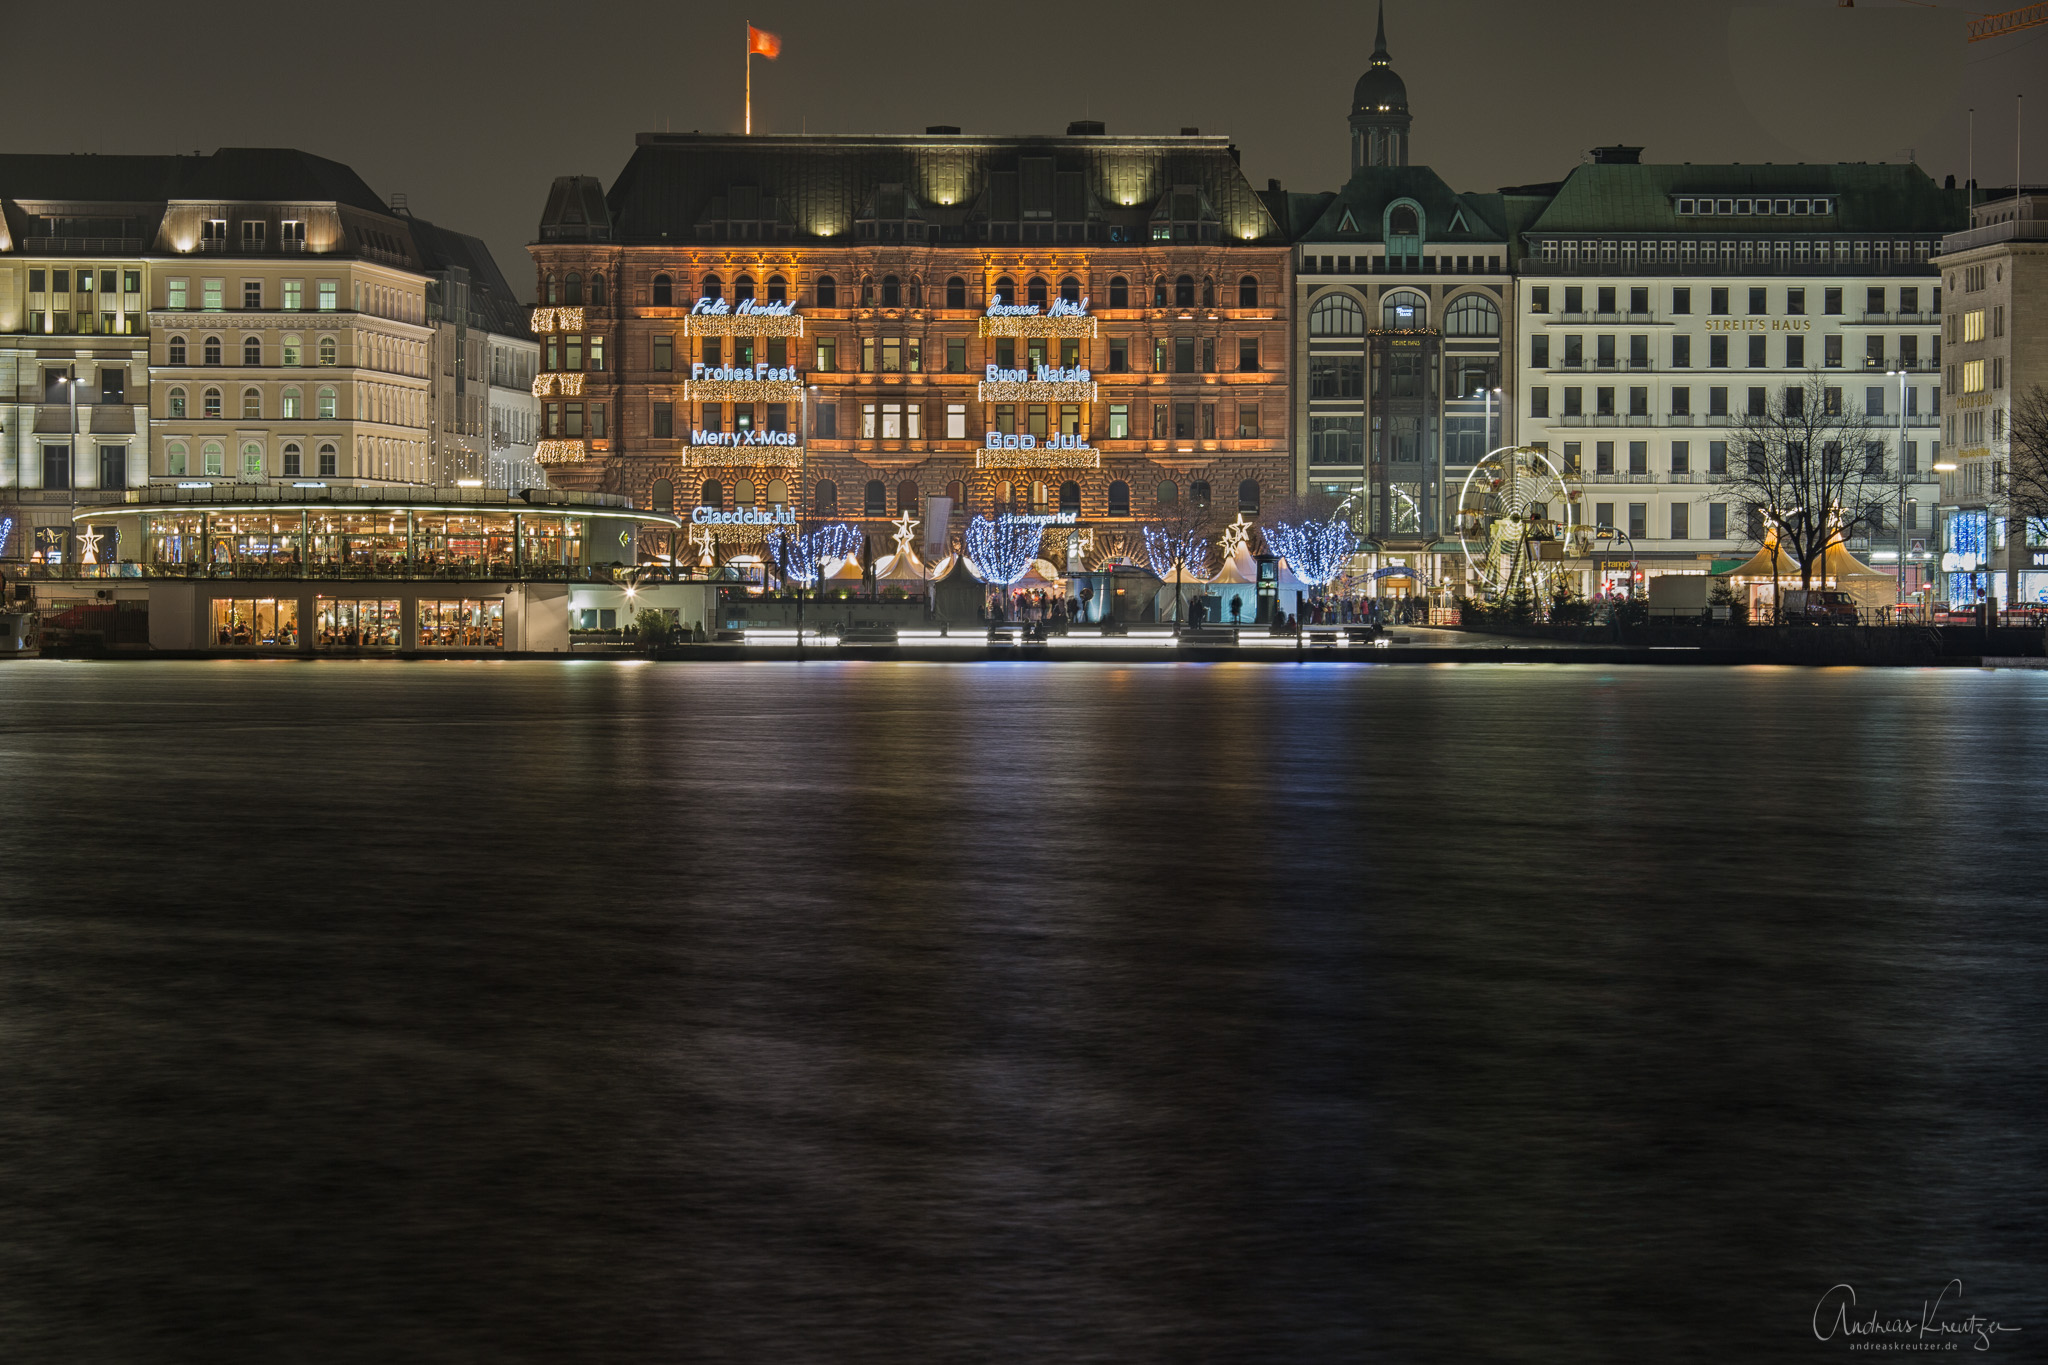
<point x="1539" y="299"/>
<point x="1605" y="352"/>
<point x="665" y="353"/>
<point x="113" y="466"/>
<point x="1603" y="514"/>
<point x="956" y="421"/>
<point x="892" y="421"/>
<point x="1717" y="520"/>
<point x="1831" y="352"/>
<point x="294" y="295"/>
<point x="1757" y="359"/>
<point x="1070" y="419"/>
<point x="828" y="354"/>
<point x="1681" y="457"/>
<point x="467" y="623"/>
<point x="1639" y="402"/>
<point x="1638" y="520"/>
<point x="1603" y="402"/>
<point x="826" y="420"/>
<point x="1681" y="521"/>
<point x="1717" y="301"/>
<point x="1795" y="353"/>
<point x="57" y="466"/>
<point x="1208" y="421"/>
<point x="867" y="421"/>
<point x="1681" y="352"/>
<point x="1759" y="405"/>
<point x="1184" y="421"/>
<point x="664" y="419"/>
<point x="1758" y="301"/>
<point x="212" y="294"/>
<point x="1571" y="457"/>
<point x="1681" y="300"/>
<point x="1973" y="376"/>
<point x="1574" y="352"/>
<point x="330" y="295"/>
<point x="1831" y="302"/>
<point x="1717" y="353"/>
<point x="1574" y="402"/>
<point x="252" y="291"/>
<point x="597" y="352"/>
<point x="1247" y="420"/>
<point x="573" y="345"/>
<point x="113" y="383"/>
<point x="1208" y="355"/>
<point x="913" y="355"/>
<point x="1639" y="300"/>
<point x="1006" y="418"/>
<point x="1119" y="421"/>
<point x="1539" y="351"/>
<point x="1638" y="457"/>
<point x="1639" y="352"/>
<point x="1159" y="345"/>
<point x="1184" y="355"/>
<point x="956" y="355"/>
<point x="1539" y="402"/>
<point x="1247" y="353"/>
<point x="1603" y="457"/>
<point x="1574" y="299"/>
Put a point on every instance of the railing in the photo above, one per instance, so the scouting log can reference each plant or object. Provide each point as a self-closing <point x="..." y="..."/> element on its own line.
<point x="97" y="246"/>
<point x="395" y="571"/>
<point x="2018" y="230"/>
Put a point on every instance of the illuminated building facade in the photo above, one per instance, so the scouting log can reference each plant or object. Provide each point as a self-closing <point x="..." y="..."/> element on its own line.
<point x="1085" y="325"/>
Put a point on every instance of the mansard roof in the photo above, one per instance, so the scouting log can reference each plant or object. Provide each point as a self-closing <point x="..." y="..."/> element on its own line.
<point x="231" y="174"/>
<point x="493" y="305"/>
<point x="1867" y="197"/>
<point x="1357" y="213"/>
<point x="684" y="188"/>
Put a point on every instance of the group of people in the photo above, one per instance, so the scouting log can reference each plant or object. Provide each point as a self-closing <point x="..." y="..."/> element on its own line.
<point x="1038" y="606"/>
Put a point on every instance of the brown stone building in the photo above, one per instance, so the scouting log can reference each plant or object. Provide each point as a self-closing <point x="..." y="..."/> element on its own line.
<point x="1148" y="262"/>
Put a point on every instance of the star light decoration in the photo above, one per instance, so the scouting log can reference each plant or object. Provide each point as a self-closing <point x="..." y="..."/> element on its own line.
<point x="88" y="545"/>
<point x="1315" y="550"/>
<point x="1237" y="537"/>
<point x="1003" y="547"/>
<point x="702" y="539"/>
<point x="906" y="525"/>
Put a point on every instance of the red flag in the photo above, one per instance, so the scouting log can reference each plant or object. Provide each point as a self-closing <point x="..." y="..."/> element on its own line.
<point x="761" y="43"/>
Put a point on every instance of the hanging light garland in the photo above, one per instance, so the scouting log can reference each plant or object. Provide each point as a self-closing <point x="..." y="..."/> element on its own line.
<point x="558" y="452"/>
<point x="1003" y="547"/>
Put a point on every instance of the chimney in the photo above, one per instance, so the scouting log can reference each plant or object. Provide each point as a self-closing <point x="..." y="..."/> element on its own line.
<point x="943" y="129"/>
<point x="1190" y="132"/>
<point x="1086" y="127"/>
<point x="1617" y="156"/>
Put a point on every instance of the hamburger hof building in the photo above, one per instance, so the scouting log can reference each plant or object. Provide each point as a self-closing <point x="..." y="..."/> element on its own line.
<point x="1658" y="303"/>
<point x="862" y="326"/>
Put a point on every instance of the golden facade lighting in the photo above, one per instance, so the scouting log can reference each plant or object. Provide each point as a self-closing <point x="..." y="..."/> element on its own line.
<point x="1035" y="391"/>
<point x="1040" y="457"/>
<point x="559" y="452"/>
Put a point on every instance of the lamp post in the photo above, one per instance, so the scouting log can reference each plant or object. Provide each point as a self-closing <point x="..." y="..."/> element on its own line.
<point x="803" y="471"/>
<point x="71" y="464"/>
<point x="1899" y="605"/>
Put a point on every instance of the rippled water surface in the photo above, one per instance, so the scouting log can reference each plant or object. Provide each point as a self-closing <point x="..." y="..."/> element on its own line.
<point x="609" y="1012"/>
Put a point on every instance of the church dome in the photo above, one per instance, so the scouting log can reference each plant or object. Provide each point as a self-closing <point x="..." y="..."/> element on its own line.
<point x="1379" y="90"/>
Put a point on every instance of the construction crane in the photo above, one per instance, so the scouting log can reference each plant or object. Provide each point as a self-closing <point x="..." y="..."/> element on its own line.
<point x="1984" y="26"/>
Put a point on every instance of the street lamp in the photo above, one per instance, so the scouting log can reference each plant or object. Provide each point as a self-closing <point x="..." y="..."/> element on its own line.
<point x="70" y="383"/>
<point x="1899" y="604"/>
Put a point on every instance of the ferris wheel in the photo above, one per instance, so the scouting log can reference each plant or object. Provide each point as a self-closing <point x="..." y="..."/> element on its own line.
<point x="1513" y="501"/>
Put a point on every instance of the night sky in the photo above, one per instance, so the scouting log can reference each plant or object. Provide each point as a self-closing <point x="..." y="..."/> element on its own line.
<point x="470" y="109"/>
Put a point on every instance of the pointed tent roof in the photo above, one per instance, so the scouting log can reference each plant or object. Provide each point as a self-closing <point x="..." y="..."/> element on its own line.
<point x="904" y="567"/>
<point x="1758" y="565"/>
<point x="1239" y="568"/>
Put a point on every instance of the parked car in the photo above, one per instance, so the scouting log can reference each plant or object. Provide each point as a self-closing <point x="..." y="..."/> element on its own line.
<point x="1820" y="607"/>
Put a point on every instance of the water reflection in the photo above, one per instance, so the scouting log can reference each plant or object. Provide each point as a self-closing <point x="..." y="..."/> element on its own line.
<point x="873" y="1012"/>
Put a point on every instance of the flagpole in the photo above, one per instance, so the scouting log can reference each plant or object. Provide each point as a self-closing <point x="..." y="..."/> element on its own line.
<point x="750" y="78"/>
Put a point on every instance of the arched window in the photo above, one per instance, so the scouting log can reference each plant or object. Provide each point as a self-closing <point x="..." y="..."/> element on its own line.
<point x="1070" y="289"/>
<point x="252" y="404"/>
<point x="956" y="293"/>
<point x="327" y="351"/>
<point x="252" y="461"/>
<point x="1198" y="493"/>
<point x="597" y="290"/>
<point x="294" y="462"/>
<point x="906" y="496"/>
<point x="176" y="353"/>
<point x="552" y="290"/>
<point x="892" y="292"/>
<point x="1119" y="292"/>
<point x="778" y="289"/>
<point x="743" y="493"/>
<point x="214" y="458"/>
<point x="1208" y="292"/>
<point x="212" y="404"/>
<point x="1184" y="291"/>
<point x="1119" y="499"/>
<point x="743" y="289"/>
<point x="712" y="288"/>
<point x="1402" y="222"/>
<point x="291" y="405"/>
<point x="211" y="352"/>
<point x="1404" y="310"/>
<point x="1006" y="498"/>
<point x="778" y="492"/>
<point x="326" y="409"/>
<point x="828" y="293"/>
<point x="175" y="456"/>
<point x="1168" y="494"/>
<point x="712" y="494"/>
<point x="1248" y="496"/>
<point x="954" y="491"/>
<point x="867" y="291"/>
<point x="177" y="404"/>
<point x="330" y="462"/>
<point x="826" y="498"/>
<point x="1037" y="499"/>
<point x="875" y="503"/>
<point x="1336" y="315"/>
<point x="1034" y="290"/>
<point x="572" y="288"/>
<point x="252" y="350"/>
<point x="291" y="353"/>
<point x="1159" y="292"/>
<point x="1007" y="288"/>
<point x="1070" y="497"/>
<point x="664" y="291"/>
<point x="1472" y="315"/>
<point x="663" y="496"/>
<point x="1248" y="292"/>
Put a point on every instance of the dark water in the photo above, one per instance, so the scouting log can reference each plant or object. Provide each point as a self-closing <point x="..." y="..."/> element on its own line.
<point x="601" y="1012"/>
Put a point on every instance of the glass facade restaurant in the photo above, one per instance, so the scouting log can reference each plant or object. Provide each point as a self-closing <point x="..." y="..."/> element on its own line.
<point x="253" y="623"/>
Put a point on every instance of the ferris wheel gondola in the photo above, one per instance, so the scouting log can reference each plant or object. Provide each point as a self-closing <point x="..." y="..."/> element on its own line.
<point x="1513" y="502"/>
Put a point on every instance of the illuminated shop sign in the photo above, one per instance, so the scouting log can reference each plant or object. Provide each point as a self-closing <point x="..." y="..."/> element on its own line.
<point x="751" y="437"/>
<point x="1060" y="308"/>
<point x="1044" y="374"/>
<point x="742" y="374"/>
<point x="718" y="308"/>
<point x="999" y="440"/>
<point x="1043" y="518"/>
<point x="746" y="516"/>
<point x="1029" y="319"/>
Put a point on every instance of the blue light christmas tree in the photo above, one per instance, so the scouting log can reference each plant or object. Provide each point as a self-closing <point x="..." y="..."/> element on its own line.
<point x="1003" y="547"/>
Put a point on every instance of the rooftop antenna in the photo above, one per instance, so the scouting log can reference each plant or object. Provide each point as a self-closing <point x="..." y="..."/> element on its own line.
<point x="1970" y="162"/>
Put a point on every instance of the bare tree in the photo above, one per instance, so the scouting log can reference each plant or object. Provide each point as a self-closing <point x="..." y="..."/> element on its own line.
<point x="1809" y="465"/>
<point x="1182" y="533"/>
<point x="2026" y="476"/>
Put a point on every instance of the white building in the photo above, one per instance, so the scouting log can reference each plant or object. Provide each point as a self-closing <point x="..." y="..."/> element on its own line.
<point x="486" y="418"/>
<point x="1659" y="303"/>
